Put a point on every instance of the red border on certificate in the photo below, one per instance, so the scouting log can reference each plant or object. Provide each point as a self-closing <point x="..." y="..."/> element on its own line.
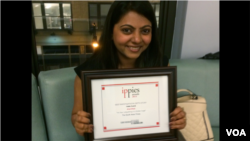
<point x="157" y="123"/>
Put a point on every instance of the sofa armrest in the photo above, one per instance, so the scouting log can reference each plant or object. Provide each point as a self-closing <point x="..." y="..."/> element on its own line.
<point x="57" y="90"/>
<point x="38" y="123"/>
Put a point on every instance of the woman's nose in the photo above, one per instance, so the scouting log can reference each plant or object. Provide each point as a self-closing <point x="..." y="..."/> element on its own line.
<point x="136" y="37"/>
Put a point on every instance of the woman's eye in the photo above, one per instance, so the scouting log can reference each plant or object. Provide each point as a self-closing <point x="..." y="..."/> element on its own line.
<point x="145" y="31"/>
<point x="126" y="30"/>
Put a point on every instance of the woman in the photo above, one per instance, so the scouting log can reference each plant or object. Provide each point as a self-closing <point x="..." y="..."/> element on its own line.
<point x="129" y="40"/>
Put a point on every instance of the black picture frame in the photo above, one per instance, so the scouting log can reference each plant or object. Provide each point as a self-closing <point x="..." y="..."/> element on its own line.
<point x="171" y="72"/>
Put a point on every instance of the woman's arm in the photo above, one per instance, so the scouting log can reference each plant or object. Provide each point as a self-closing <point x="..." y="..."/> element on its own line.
<point x="79" y="118"/>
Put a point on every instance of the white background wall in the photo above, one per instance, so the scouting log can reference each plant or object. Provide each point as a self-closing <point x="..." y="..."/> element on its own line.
<point x="201" y="29"/>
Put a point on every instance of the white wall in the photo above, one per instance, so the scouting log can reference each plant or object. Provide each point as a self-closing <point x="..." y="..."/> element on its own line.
<point x="201" y="29"/>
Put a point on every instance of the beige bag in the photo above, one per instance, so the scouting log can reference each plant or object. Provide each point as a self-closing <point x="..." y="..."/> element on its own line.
<point x="198" y="127"/>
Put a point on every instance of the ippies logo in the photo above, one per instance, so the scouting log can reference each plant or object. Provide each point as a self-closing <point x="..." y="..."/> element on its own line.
<point x="133" y="92"/>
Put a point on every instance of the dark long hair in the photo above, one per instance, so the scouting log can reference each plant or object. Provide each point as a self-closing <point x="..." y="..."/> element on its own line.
<point x="106" y="55"/>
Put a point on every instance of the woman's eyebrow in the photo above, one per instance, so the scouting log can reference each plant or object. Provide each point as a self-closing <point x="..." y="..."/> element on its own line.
<point x="133" y="27"/>
<point x="146" y="26"/>
<point x="127" y="25"/>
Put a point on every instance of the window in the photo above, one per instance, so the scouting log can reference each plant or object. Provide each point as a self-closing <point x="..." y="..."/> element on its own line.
<point x="37" y="14"/>
<point x="97" y="14"/>
<point x="156" y="7"/>
<point x="99" y="11"/>
<point x="49" y="16"/>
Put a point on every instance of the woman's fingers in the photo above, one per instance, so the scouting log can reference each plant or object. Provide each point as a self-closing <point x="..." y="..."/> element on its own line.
<point x="82" y="119"/>
<point x="181" y="126"/>
<point x="176" y="111"/>
<point x="87" y="128"/>
<point x="178" y="119"/>
<point x="180" y="115"/>
<point x="90" y="129"/>
<point x="82" y="123"/>
<point x="178" y="122"/>
<point x="84" y="114"/>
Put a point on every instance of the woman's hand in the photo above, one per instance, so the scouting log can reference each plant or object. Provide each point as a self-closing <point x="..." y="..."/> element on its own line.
<point x="82" y="123"/>
<point x="177" y="118"/>
<point x="80" y="119"/>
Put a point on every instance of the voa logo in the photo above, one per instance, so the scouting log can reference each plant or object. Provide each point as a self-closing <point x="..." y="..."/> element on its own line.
<point x="235" y="132"/>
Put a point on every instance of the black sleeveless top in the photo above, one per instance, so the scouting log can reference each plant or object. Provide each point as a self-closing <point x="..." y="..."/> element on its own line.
<point x="91" y="65"/>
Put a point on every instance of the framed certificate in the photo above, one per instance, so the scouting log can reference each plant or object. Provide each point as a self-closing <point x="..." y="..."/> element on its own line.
<point x="130" y="104"/>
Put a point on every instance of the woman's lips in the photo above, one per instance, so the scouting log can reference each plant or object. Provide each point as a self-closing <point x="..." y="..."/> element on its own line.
<point x="134" y="48"/>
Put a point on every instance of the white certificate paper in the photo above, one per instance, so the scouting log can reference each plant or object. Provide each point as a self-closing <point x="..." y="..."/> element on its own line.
<point x="130" y="106"/>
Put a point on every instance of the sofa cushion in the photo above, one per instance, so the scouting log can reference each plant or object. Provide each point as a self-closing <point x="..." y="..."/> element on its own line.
<point x="38" y="124"/>
<point x="57" y="88"/>
<point x="201" y="77"/>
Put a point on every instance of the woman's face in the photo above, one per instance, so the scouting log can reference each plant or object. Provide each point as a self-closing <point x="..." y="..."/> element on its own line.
<point x="132" y="35"/>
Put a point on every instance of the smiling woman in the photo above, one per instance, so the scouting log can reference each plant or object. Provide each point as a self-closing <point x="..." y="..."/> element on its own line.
<point x="131" y="36"/>
<point x="128" y="40"/>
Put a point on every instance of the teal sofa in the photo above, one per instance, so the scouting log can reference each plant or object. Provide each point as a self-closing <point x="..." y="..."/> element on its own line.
<point x="57" y="96"/>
